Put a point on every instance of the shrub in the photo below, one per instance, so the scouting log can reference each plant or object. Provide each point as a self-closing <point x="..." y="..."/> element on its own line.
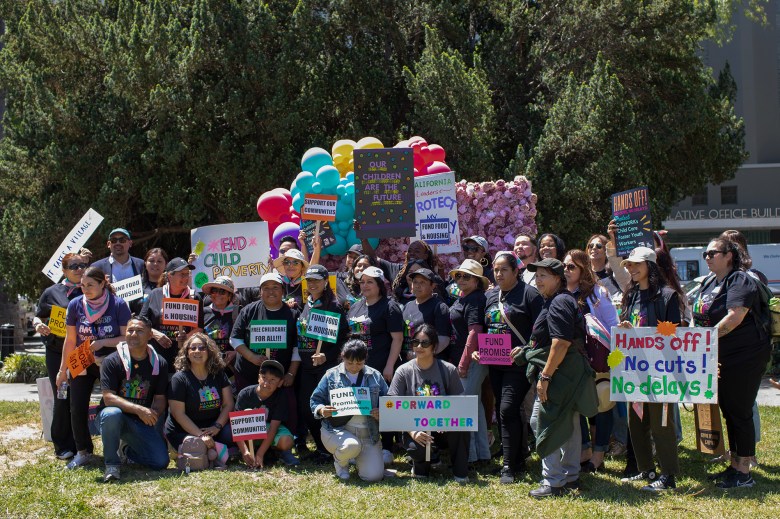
<point x="22" y="367"/>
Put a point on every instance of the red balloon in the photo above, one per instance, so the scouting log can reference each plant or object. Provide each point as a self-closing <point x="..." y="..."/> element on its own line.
<point x="418" y="139"/>
<point x="438" y="167"/>
<point x="420" y="172"/>
<point x="427" y="156"/>
<point x="296" y="218"/>
<point x="437" y="152"/>
<point x="272" y="206"/>
<point x="419" y="162"/>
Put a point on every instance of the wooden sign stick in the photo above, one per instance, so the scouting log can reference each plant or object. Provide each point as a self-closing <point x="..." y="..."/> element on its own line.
<point x="428" y="451"/>
<point x="268" y="353"/>
<point x="319" y="345"/>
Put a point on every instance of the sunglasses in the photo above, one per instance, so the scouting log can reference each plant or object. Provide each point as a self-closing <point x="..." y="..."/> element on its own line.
<point x="417" y="343"/>
<point x="291" y="263"/>
<point x="199" y="347"/>
<point x="570" y="266"/>
<point x="460" y="275"/>
<point x="471" y="248"/>
<point x="219" y="291"/>
<point x="76" y="266"/>
<point x="118" y="240"/>
<point x="709" y="254"/>
<point x="595" y="245"/>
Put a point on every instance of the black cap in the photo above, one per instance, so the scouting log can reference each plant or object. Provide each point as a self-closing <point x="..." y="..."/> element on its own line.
<point x="547" y="263"/>
<point x="274" y="365"/>
<point x="177" y="264"/>
<point x="357" y="249"/>
<point x="426" y="273"/>
<point x="316" y="272"/>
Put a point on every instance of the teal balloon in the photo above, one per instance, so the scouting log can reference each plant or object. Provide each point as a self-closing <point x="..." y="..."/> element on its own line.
<point x="303" y="181"/>
<point x="339" y="248"/>
<point x="344" y="212"/>
<point x="316" y="187"/>
<point x="297" y="202"/>
<point x="314" y="159"/>
<point x="344" y="227"/>
<point x="374" y="242"/>
<point x="341" y="191"/>
<point x="350" y="188"/>
<point x="329" y="190"/>
<point x="352" y="238"/>
<point x="350" y="176"/>
<point x="328" y="176"/>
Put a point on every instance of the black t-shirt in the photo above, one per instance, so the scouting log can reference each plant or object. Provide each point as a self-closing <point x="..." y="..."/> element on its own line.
<point x="642" y="310"/>
<point x="218" y="326"/>
<point x="293" y="292"/>
<point x="55" y="295"/>
<point x="202" y="399"/>
<point x="410" y="380"/>
<point x="522" y="305"/>
<point x="433" y="311"/>
<point x="559" y="319"/>
<point x="152" y="310"/>
<point x="242" y="330"/>
<point x="373" y="325"/>
<point x="276" y="404"/>
<point x="141" y="387"/>
<point x="307" y="347"/>
<point x="465" y="311"/>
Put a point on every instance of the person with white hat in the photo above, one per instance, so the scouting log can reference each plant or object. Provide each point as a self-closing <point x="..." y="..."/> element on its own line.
<point x="291" y="266"/>
<point x="250" y="356"/>
<point x="220" y="314"/>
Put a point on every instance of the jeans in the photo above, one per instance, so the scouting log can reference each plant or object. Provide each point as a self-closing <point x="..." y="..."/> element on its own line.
<point x="472" y="385"/>
<point x="348" y="442"/>
<point x="510" y="387"/>
<point x="80" y="392"/>
<point x="61" y="431"/>
<point x="603" y="424"/>
<point x="620" y="421"/>
<point x="563" y="465"/>
<point x="145" y="444"/>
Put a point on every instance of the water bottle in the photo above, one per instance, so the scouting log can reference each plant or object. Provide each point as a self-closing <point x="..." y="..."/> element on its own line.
<point x="62" y="391"/>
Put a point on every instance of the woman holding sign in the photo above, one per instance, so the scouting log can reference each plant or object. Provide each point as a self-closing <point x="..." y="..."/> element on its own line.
<point x="730" y="301"/>
<point x="57" y="297"/>
<point x="647" y="302"/>
<point x="318" y="354"/>
<point x="291" y="266"/>
<point x="100" y="317"/>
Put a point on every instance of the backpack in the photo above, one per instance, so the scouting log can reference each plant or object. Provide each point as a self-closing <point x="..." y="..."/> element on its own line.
<point x="193" y="455"/>
<point x="767" y="310"/>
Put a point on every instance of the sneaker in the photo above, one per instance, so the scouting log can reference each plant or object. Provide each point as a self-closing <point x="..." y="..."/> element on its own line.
<point x="723" y="474"/>
<point x="111" y="474"/>
<point x="737" y="480"/>
<point x="461" y="481"/>
<point x="573" y="485"/>
<point x="664" y="482"/>
<point x="387" y="457"/>
<point x="546" y="491"/>
<point x="79" y="460"/>
<point x="65" y="455"/>
<point x="302" y="449"/>
<point x="122" y="452"/>
<point x="342" y="472"/>
<point x="753" y="462"/>
<point x="289" y="459"/>
<point x="648" y="475"/>
<point x="507" y="476"/>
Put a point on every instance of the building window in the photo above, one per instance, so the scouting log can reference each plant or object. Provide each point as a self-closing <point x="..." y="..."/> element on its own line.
<point x="728" y="195"/>
<point x="700" y="198"/>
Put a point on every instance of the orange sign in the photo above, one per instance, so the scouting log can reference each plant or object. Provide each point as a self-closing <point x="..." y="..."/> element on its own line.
<point x="81" y="358"/>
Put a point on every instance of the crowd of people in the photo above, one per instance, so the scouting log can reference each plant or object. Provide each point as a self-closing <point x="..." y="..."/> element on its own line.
<point x="406" y="329"/>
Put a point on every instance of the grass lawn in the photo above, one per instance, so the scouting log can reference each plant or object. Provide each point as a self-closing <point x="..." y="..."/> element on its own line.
<point x="34" y="484"/>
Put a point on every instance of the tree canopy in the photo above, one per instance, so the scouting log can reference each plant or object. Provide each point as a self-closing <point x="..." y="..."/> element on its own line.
<point x="165" y="115"/>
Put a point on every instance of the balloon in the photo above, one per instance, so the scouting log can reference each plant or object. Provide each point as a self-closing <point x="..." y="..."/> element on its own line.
<point x="420" y="172"/>
<point x="352" y="238"/>
<point x="270" y="206"/>
<point x="285" y="229"/>
<point x="297" y="202"/>
<point x="328" y="176"/>
<point x="343" y="147"/>
<point x="296" y="219"/>
<point x="304" y="180"/>
<point x="418" y="139"/>
<point x="374" y="242"/>
<point x="284" y="192"/>
<point x="419" y="162"/>
<point x="344" y="212"/>
<point x="343" y="227"/>
<point x="437" y="153"/>
<point x="339" y="248"/>
<point x="314" y="159"/>
<point x="402" y="144"/>
<point x="316" y="187"/>
<point x="350" y="176"/>
<point x="341" y="190"/>
<point x="350" y="188"/>
<point x="427" y="156"/>
<point x="367" y="143"/>
<point x="438" y="167"/>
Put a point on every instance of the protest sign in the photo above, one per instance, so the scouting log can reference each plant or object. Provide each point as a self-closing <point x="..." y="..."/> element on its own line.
<point x="664" y="364"/>
<point x="428" y="413"/>
<point x="435" y="203"/>
<point x="57" y="321"/>
<point x="129" y="289"/>
<point x="631" y="212"/>
<point x="384" y="192"/>
<point x="81" y="358"/>
<point x="248" y="425"/>
<point x="326" y="234"/>
<point x="494" y="348"/>
<point x="319" y="207"/>
<point x="323" y="325"/>
<point x="73" y="242"/>
<point x="237" y="250"/>
<point x="270" y="335"/>
<point x="351" y="401"/>
<point x="180" y="312"/>
<point x="46" y="405"/>
<point x="305" y="287"/>
<point x="709" y="429"/>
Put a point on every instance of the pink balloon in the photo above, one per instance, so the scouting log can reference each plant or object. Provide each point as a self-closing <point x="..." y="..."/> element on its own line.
<point x="427" y="156"/>
<point x="282" y="191"/>
<point x="438" y="167"/>
<point x="437" y="152"/>
<point x="420" y="172"/>
<point x="419" y="162"/>
<point x="296" y="218"/>
<point x="418" y="139"/>
<point x="402" y="144"/>
<point x="285" y="229"/>
<point x="272" y="206"/>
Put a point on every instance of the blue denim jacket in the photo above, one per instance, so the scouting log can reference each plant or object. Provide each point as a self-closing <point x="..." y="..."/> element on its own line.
<point x="336" y="378"/>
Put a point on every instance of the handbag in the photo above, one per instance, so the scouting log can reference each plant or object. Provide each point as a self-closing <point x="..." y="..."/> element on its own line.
<point x="193" y="455"/>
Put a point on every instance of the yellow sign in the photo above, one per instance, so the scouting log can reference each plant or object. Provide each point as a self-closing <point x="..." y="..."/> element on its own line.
<point x="305" y="286"/>
<point x="57" y="321"/>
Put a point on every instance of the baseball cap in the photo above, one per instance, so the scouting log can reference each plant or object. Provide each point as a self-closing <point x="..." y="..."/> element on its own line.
<point x="479" y="240"/>
<point x="177" y="264"/>
<point x="271" y="276"/>
<point x="639" y="255"/>
<point x="274" y="365"/>
<point x="356" y="249"/>
<point x="547" y="263"/>
<point x="373" y="272"/>
<point x="426" y="273"/>
<point x="316" y="272"/>
<point x="120" y="230"/>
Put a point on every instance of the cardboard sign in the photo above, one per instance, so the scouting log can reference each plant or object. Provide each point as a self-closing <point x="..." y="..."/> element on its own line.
<point x="494" y="349"/>
<point x="384" y="192"/>
<point x="73" y="242"/>
<point x="81" y="358"/>
<point x="248" y="425"/>
<point x="326" y="234"/>
<point x="267" y="335"/>
<point x="664" y="364"/>
<point x="319" y="207"/>
<point x="237" y="250"/>
<point x="709" y="429"/>
<point x="180" y="312"/>
<point x="57" y="321"/>
<point x="631" y="212"/>
<point x="435" y="202"/>
<point x="129" y="289"/>
<point x="428" y="413"/>
<point x="351" y="401"/>
<point x="46" y="405"/>
<point x="323" y="325"/>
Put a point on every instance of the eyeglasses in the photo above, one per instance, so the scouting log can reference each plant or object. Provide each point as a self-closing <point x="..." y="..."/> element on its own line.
<point x="121" y="239"/>
<point x="570" y="266"/>
<point x="709" y="254"/>
<point x="465" y="277"/>
<point x="219" y="291"/>
<point x="417" y="343"/>
<point x="199" y="347"/>
<point x="291" y="263"/>
<point x="471" y="248"/>
<point x="76" y="266"/>
<point x="595" y="245"/>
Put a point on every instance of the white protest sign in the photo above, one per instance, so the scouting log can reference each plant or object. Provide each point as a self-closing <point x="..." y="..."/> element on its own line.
<point x="428" y="413"/>
<point x="267" y="334"/>
<point x="237" y="250"/>
<point x="129" y="289"/>
<point x="248" y="425"/>
<point x="323" y="325"/>
<point x="319" y="207"/>
<point x="180" y="312"/>
<point x="73" y="242"/>
<point x="434" y="200"/>
<point x="351" y="401"/>
<point x="664" y="364"/>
